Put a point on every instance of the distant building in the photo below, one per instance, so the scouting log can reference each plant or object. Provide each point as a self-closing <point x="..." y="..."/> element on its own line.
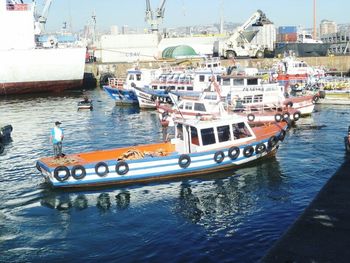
<point x="114" y="30"/>
<point x="125" y="29"/>
<point x="328" y="27"/>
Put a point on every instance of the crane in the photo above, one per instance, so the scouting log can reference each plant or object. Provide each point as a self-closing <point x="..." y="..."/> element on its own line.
<point x="154" y="19"/>
<point x="42" y="16"/>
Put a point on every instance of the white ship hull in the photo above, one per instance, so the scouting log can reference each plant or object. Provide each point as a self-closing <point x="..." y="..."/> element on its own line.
<point x="41" y="70"/>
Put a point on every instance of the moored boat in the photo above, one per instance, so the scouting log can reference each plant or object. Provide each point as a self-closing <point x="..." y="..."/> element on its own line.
<point x="199" y="148"/>
<point x="85" y="105"/>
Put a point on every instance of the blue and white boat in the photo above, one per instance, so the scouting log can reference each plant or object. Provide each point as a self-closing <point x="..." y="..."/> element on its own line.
<point x="199" y="148"/>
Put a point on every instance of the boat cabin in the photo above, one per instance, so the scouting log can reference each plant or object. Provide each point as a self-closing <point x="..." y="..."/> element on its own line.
<point x="140" y="77"/>
<point x="198" y="136"/>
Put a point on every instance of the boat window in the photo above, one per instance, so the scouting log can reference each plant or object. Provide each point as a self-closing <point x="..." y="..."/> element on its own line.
<point x="201" y="78"/>
<point x="226" y="82"/>
<point x="162" y="87"/>
<point x="240" y="130"/>
<point x="194" y="136"/>
<point x="248" y="99"/>
<point x="218" y="78"/>
<point x="181" y="106"/>
<point x="199" y="107"/>
<point x="138" y="76"/>
<point x="258" y="98"/>
<point x="172" y="87"/>
<point x="208" y="136"/>
<point x="189" y="87"/>
<point x="238" y="82"/>
<point x="188" y="106"/>
<point x="131" y="77"/>
<point x="180" y="87"/>
<point x="179" y="132"/>
<point x="154" y="87"/>
<point x="252" y="81"/>
<point x="224" y="133"/>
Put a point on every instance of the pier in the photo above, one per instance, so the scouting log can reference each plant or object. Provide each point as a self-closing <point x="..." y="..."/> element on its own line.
<point x="322" y="232"/>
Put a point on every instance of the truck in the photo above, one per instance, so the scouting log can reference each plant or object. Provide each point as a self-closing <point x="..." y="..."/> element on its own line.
<point x="238" y="43"/>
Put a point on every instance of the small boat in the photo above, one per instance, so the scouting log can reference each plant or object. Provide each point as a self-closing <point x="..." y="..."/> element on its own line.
<point x="199" y="148"/>
<point x="121" y="95"/>
<point x="347" y="141"/>
<point x="5" y="135"/>
<point x="85" y="104"/>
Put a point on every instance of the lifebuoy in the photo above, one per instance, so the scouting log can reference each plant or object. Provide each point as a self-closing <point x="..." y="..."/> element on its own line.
<point x="282" y="135"/>
<point x="76" y="174"/>
<point x="272" y="141"/>
<point x="219" y="156"/>
<point x="233" y="152"/>
<point x="184" y="161"/>
<point x="251" y="117"/>
<point x="286" y="115"/>
<point x="248" y="151"/>
<point x="103" y="171"/>
<point x="315" y="99"/>
<point x="122" y="168"/>
<point x="260" y="148"/>
<point x="57" y="173"/>
<point x="296" y="115"/>
<point x="278" y="117"/>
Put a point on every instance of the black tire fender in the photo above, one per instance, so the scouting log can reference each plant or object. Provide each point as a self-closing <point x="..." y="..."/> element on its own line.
<point x="286" y="115"/>
<point x="315" y="99"/>
<point x="272" y="141"/>
<point x="296" y="115"/>
<point x="97" y="169"/>
<point x="122" y="168"/>
<point x="260" y="148"/>
<point x="184" y="161"/>
<point x="251" y="117"/>
<point x="56" y="173"/>
<point x="289" y="104"/>
<point x="282" y="135"/>
<point x="248" y="151"/>
<point x="219" y="156"/>
<point x="233" y="152"/>
<point x="77" y="168"/>
<point x="278" y="117"/>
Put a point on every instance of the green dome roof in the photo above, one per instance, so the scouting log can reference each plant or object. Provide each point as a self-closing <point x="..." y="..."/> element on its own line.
<point x="178" y="51"/>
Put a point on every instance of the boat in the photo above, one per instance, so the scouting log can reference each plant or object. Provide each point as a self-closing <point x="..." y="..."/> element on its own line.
<point x="85" y="104"/>
<point x="121" y="95"/>
<point x="5" y="135"/>
<point x="26" y="67"/>
<point x="198" y="148"/>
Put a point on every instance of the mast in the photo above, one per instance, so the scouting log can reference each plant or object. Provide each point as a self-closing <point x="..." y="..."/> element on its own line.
<point x="314" y="31"/>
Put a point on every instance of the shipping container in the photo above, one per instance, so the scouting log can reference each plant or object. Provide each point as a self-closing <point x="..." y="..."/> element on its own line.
<point x="287" y="29"/>
<point x="291" y="37"/>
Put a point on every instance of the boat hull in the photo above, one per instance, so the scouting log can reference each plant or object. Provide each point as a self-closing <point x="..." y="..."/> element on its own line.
<point x="121" y="96"/>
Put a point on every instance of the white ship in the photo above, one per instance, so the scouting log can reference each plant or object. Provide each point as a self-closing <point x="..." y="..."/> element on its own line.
<point x="26" y="68"/>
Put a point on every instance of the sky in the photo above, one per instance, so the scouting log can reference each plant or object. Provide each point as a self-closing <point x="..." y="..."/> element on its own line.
<point x="192" y="12"/>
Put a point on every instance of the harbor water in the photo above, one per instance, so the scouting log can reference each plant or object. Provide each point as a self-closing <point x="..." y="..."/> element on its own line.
<point x="231" y="217"/>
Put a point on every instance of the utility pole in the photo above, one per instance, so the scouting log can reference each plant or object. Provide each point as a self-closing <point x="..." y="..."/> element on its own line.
<point x="315" y="30"/>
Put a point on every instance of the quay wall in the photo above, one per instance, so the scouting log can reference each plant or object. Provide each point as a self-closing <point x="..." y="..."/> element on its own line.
<point x="339" y="64"/>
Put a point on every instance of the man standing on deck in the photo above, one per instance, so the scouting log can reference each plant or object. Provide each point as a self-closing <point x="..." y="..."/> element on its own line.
<point x="56" y="139"/>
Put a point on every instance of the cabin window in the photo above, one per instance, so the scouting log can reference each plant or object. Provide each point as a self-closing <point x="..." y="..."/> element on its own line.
<point x="172" y="87"/>
<point x="226" y="82"/>
<point x="252" y="81"/>
<point x="180" y="88"/>
<point x="194" y="136"/>
<point x="199" y="107"/>
<point x="188" y="106"/>
<point x="258" y="98"/>
<point x="181" y="106"/>
<point x="179" y="131"/>
<point x="224" y="133"/>
<point x="208" y="136"/>
<point x="240" y="130"/>
<point x="248" y="99"/>
<point x="131" y="77"/>
<point x="238" y="82"/>
<point x="154" y="87"/>
<point x="138" y="77"/>
<point x="162" y="87"/>
<point x="218" y="78"/>
<point x="201" y="78"/>
<point x="189" y="88"/>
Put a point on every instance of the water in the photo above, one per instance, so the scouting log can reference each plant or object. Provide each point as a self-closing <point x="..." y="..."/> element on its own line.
<point x="232" y="217"/>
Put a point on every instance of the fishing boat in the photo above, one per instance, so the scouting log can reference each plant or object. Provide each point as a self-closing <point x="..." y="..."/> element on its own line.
<point x="27" y="67"/>
<point x="85" y="104"/>
<point x="199" y="148"/>
<point x="121" y="95"/>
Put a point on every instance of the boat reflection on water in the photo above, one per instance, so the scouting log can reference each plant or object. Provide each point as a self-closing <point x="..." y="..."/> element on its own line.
<point x="218" y="199"/>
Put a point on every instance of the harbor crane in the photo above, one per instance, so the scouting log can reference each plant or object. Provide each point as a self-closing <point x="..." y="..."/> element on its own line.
<point x="41" y="17"/>
<point x="154" y="19"/>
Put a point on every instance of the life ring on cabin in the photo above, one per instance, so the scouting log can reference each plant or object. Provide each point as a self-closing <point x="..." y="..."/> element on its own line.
<point x="101" y="172"/>
<point x="278" y="117"/>
<point x="315" y="99"/>
<point x="251" y="117"/>
<point x="122" y="168"/>
<point x="75" y="172"/>
<point x="219" y="156"/>
<point x="248" y="151"/>
<point x="260" y="148"/>
<point x="296" y="115"/>
<point x="233" y="152"/>
<point x="282" y="135"/>
<point x="36" y="165"/>
<point x="58" y="171"/>
<point x="184" y="161"/>
<point x="286" y="116"/>
<point x="272" y="141"/>
<point x="289" y="104"/>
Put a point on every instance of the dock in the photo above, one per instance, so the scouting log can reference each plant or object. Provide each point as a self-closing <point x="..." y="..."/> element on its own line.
<point x="322" y="232"/>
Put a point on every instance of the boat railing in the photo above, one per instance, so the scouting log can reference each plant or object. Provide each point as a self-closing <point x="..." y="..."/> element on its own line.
<point x="17" y="7"/>
<point x="116" y="82"/>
